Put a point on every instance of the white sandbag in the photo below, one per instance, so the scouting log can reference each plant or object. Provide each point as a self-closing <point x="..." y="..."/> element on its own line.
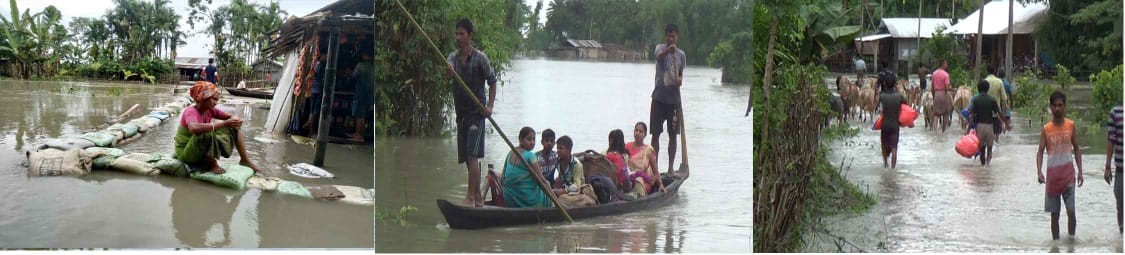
<point x="356" y="195"/>
<point x="65" y="144"/>
<point x="127" y="129"/>
<point x="53" y="162"/>
<point x="263" y="183"/>
<point x="141" y="127"/>
<point x="171" y="166"/>
<point x="293" y="188"/>
<point x="148" y="122"/>
<point x="107" y="155"/>
<point x="100" y="139"/>
<point x="235" y="176"/>
<point x="132" y="165"/>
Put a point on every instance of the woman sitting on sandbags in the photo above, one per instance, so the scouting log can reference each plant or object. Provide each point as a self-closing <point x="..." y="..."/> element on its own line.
<point x="200" y="141"/>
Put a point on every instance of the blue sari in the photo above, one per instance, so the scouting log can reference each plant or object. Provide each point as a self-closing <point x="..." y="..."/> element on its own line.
<point x="521" y="190"/>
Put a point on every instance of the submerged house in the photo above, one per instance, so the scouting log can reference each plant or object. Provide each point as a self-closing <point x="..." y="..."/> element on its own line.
<point x="584" y="49"/>
<point x="333" y="38"/>
<point x="896" y="41"/>
<point x="188" y="67"/>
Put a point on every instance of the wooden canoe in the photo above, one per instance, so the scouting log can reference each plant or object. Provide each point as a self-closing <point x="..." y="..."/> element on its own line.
<point x="263" y="94"/>
<point x="466" y="217"/>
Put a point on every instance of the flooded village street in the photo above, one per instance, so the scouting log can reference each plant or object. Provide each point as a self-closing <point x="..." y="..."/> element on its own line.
<point x="936" y="200"/>
<point x="119" y="210"/>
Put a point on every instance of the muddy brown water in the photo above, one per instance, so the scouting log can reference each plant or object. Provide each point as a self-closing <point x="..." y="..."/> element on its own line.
<point x="118" y="210"/>
<point x="937" y="200"/>
<point x="584" y="100"/>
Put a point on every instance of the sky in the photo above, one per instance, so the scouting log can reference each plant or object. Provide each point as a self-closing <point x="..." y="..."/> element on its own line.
<point x="542" y="12"/>
<point x="198" y="44"/>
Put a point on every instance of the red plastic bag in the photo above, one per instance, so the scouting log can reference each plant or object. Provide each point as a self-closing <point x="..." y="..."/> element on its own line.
<point x="968" y="145"/>
<point x="905" y="118"/>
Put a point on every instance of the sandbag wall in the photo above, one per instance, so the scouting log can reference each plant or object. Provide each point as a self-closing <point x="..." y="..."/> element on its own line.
<point x="79" y="154"/>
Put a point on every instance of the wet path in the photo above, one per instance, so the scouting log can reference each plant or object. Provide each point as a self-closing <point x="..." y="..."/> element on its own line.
<point x="111" y="209"/>
<point x="938" y="201"/>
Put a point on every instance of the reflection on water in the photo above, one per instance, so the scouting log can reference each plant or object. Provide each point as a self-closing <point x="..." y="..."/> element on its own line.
<point x="583" y="100"/>
<point x="939" y="201"/>
<point x="117" y="210"/>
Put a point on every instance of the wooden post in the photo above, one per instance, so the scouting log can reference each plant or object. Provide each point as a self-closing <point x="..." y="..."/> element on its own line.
<point x="980" y="40"/>
<point x="1008" y="47"/>
<point x="326" y="97"/>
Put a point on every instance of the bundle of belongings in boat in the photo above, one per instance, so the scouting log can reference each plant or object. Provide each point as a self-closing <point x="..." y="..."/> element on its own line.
<point x="78" y="155"/>
<point x="602" y="184"/>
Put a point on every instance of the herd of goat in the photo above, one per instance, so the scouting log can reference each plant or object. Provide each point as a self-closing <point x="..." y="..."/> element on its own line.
<point x="862" y="101"/>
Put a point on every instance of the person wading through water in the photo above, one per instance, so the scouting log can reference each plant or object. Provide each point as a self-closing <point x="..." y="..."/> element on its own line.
<point x="473" y="67"/>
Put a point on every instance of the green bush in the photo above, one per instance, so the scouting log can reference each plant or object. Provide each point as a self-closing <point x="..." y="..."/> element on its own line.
<point x="1031" y="94"/>
<point x="1063" y="77"/>
<point x="1107" y="92"/>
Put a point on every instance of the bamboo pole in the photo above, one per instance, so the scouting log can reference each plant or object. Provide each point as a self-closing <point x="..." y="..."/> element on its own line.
<point x="539" y="178"/>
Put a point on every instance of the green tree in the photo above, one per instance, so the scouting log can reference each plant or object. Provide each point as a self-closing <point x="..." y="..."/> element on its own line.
<point x="414" y="94"/>
<point x="702" y="24"/>
<point x="1107" y="92"/>
<point x="240" y="30"/>
<point x="1084" y="35"/>
<point x="32" y="42"/>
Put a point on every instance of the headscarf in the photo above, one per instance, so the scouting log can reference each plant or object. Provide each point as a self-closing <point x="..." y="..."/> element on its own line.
<point x="203" y="90"/>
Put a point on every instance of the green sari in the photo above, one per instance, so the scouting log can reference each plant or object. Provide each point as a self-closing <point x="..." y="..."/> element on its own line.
<point x="521" y="190"/>
<point x="195" y="148"/>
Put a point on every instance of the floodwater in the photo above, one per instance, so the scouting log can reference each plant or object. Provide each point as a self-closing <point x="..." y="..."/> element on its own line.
<point x="936" y="200"/>
<point x="583" y="100"/>
<point x="119" y="210"/>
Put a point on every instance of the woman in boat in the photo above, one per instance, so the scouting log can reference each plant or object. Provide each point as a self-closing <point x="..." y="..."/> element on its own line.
<point x="521" y="189"/>
<point x="642" y="164"/>
<point x="207" y="133"/>
<point x="619" y="156"/>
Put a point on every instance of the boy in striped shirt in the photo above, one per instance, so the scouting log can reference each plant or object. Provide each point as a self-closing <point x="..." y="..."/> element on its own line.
<point x="1061" y="144"/>
<point x="1113" y="154"/>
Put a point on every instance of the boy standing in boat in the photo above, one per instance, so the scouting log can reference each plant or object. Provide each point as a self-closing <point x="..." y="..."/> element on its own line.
<point x="473" y="67"/>
<point x="670" y="61"/>
<point x="1058" y="139"/>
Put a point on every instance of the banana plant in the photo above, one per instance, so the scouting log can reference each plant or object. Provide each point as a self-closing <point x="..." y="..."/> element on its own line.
<point x="128" y="74"/>
<point x="144" y="75"/>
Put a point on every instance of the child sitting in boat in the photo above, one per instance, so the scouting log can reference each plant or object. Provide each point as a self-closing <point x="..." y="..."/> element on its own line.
<point x="206" y="133"/>
<point x="618" y="155"/>
<point x="548" y="159"/>
<point x="521" y="189"/>
<point x="570" y="169"/>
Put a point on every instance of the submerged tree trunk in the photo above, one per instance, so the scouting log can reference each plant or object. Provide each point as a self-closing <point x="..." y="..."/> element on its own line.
<point x="768" y="79"/>
<point x="750" y="100"/>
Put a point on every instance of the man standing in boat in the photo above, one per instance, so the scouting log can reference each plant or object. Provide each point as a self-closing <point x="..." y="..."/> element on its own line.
<point x="473" y="67"/>
<point x="670" y="61"/>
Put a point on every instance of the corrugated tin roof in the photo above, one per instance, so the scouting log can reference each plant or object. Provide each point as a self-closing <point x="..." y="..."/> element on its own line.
<point x="191" y="62"/>
<point x="872" y="37"/>
<point x="584" y="43"/>
<point x="346" y="7"/>
<point x="908" y="27"/>
<point x="1025" y="18"/>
